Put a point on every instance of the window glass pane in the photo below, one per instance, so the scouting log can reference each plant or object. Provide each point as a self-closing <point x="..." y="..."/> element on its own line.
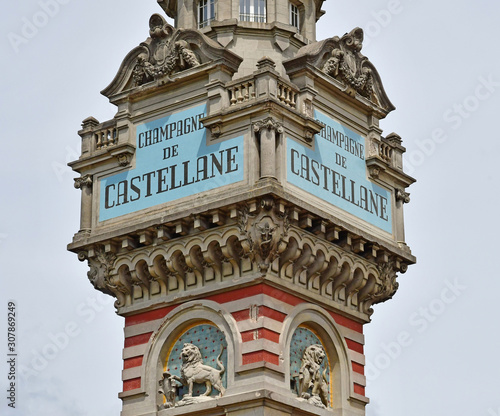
<point x="206" y="12"/>
<point x="253" y="10"/>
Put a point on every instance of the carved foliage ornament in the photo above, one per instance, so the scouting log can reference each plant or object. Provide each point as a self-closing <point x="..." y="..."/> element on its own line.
<point x="166" y="53"/>
<point x="389" y="285"/>
<point x="83" y="181"/>
<point x="269" y="124"/>
<point x="100" y="269"/>
<point x="265" y="233"/>
<point x="401" y="195"/>
<point x="348" y="65"/>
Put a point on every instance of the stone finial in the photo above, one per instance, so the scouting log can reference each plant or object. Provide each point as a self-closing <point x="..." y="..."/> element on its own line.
<point x="89" y="123"/>
<point x="266" y="63"/>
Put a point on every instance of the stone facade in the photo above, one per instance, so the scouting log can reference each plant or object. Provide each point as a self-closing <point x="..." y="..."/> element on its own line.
<point x="218" y="209"/>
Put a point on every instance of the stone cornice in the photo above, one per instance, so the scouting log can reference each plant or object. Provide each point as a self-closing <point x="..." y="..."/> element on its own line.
<point x="118" y="155"/>
<point x="264" y="238"/>
<point x="224" y="207"/>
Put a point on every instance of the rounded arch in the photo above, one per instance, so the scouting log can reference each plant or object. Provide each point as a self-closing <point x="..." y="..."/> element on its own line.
<point x="176" y="323"/>
<point x="326" y="329"/>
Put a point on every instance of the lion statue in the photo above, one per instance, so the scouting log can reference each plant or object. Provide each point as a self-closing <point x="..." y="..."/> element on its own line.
<point x="194" y="371"/>
<point x="311" y="377"/>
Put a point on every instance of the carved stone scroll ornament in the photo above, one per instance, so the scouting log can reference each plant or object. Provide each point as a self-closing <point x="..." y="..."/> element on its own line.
<point x="313" y="385"/>
<point x="387" y="287"/>
<point x="85" y="180"/>
<point x="403" y="196"/>
<point x="165" y="54"/>
<point x="193" y="371"/>
<point x="348" y="65"/>
<point x="100" y="269"/>
<point x="265" y="233"/>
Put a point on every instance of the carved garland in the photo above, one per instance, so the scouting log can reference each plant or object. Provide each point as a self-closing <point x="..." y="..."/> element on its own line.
<point x="165" y="53"/>
<point x="347" y="65"/>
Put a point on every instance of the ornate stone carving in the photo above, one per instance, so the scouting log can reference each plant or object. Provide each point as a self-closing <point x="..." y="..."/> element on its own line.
<point x="265" y="233"/>
<point x="100" y="269"/>
<point x="388" y="286"/>
<point x="313" y="385"/>
<point x="401" y="195"/>
<point x="308" y="109"/>
<point x="374" y="172"/>
<point x="167" y="388"/>
<point x="123" y="159"/>
<point x="85" y="180"/>
<point x="193" y="371"/>
<point x="269" y="124"/>
<point x="347" y="65"/>
<point x="166" y="53"/>
<point x="216" y="130"/>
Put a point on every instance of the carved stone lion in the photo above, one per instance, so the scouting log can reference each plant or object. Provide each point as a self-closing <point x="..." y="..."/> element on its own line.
<point x="194" y="371"/>
<point x="313" y="385"/>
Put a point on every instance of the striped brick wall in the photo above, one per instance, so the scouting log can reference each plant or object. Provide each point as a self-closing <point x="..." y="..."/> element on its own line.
<point x="259" y="312"/>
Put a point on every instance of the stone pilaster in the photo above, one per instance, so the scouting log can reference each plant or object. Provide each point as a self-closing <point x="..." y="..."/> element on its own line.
<point x="85" y="184"/>
<point x="267" y="131"/>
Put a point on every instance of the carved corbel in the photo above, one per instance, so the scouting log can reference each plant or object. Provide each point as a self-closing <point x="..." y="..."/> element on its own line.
<point x="121" y="286"/>
<point x="266" y="130"/>
<point x="309" y="135"/>
<point x="101" y="265"/>
<point x="374" y="172"/>
<point x="385" y="288"/>
<point x="123" y="159"/>
<point x="216" y="130"/>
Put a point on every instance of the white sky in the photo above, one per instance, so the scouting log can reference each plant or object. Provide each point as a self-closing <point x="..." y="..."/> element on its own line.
<point x="430" y="351"/>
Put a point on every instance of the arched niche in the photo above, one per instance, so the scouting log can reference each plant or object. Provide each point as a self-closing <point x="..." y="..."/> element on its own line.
<point x="178" y="328"/>
<point x="319" y="328"/>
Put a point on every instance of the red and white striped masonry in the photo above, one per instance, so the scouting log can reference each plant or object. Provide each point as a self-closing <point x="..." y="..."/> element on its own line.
<point x="260" y="337"/>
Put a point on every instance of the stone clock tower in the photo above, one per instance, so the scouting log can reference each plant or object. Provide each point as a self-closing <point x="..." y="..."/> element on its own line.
<point x="244" y="209"/>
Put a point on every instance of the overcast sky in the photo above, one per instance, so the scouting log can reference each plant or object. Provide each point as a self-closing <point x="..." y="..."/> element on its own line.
<point x="432" y="350"/>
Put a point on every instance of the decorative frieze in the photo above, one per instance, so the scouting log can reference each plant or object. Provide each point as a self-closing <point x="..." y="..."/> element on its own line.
<point x="264" y="238"/>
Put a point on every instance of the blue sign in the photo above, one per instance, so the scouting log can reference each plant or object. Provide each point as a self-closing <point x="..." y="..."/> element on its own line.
<point x="335" y="171"/>
<point x="172" y="161"/>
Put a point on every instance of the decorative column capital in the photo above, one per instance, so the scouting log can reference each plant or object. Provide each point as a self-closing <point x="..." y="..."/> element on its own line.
<point x="83" y="181"/>
<point x="269" y="124"/>
<point x="401" y="195"/>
